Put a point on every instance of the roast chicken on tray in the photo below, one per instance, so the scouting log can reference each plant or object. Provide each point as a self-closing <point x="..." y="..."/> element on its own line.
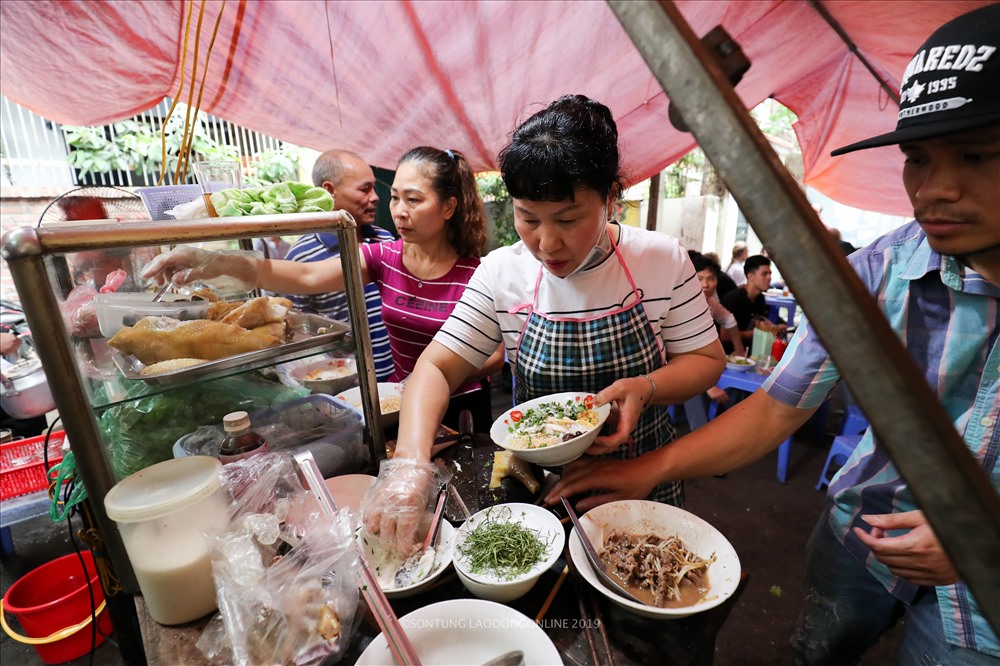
<point x="164" y="344"/>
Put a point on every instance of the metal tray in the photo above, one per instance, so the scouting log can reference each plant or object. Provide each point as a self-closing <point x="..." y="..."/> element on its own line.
<point x="305" y="335"/>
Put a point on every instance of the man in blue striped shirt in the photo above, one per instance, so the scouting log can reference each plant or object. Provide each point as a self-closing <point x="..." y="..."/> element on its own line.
<point x="352" y="183"/>
<point x="873" y="557"/>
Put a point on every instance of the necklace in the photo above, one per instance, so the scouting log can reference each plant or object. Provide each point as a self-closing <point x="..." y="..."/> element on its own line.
<point x="430" y="272"/>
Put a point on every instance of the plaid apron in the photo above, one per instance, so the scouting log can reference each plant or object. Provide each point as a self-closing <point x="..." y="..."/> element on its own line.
<point x="557" y="354"/>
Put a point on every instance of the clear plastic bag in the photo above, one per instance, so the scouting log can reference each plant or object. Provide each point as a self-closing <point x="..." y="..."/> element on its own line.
<point x="286" y="575"/>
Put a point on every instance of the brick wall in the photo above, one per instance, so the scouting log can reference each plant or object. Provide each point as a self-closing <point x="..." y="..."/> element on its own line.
<point x="21" y="206"/>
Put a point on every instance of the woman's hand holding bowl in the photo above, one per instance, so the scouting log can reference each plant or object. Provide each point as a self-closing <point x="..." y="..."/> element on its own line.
<point x="630" y="396"/>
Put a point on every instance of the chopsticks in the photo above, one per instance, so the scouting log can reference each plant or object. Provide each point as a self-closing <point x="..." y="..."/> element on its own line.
<point x="399" y="644"/>
<point x="552" y="594"/>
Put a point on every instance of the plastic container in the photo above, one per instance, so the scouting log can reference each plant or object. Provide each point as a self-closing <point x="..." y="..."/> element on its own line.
<point x="330" y="429"/>
<point x="115" y="311"/>
<point x="52" y="605"/>
<point x="22" y="464"/>
<point x="162" y="512"/>
<point x="241" y="441"/>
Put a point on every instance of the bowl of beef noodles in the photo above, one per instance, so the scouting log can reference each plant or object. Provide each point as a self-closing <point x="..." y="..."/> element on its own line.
<point x="673" y="561"/>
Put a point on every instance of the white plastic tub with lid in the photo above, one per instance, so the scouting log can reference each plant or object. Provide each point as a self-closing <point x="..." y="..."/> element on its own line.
<point x="161" y="512"/>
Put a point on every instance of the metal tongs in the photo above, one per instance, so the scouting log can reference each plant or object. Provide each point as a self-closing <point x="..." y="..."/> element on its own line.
<point x="595" y="562"/>
<point x="399" y="643"/>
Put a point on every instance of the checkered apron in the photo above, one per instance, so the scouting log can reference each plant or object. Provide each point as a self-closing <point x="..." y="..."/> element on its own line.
<point x="557" y="354"/>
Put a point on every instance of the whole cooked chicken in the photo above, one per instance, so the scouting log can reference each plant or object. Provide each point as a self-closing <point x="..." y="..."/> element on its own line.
<point x="155" y="339"/>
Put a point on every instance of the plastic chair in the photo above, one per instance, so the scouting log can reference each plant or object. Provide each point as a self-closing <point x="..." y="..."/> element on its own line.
<point x="854" y="421"/>
<point x="841" y="449"/>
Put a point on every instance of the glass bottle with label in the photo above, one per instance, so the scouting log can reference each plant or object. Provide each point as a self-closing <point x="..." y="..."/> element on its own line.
<point x="241" y="441"/>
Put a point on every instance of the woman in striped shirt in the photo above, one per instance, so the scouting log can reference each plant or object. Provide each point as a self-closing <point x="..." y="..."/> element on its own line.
<point x="580" y="304"/>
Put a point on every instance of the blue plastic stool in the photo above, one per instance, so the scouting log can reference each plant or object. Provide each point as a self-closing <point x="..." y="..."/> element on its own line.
<point x="841" y="449"/>
<point x="854" y="421"/>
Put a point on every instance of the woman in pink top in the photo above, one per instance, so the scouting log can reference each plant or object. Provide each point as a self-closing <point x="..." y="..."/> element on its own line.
<point x="421" y="276"/>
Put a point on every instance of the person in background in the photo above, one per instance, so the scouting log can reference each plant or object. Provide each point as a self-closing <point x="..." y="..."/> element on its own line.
<point x="708" y="272"/>
<point x="580" y="303"/>
<point x="748" y="303"/>
<point x="735" y="268"/>
<point x="845" y="246"/>
<point x="352" y="183"/>
<point x="873" y="557"/>
<point x="273" y="247"/>
<point x="724" y="283"/>
<point x="438" y="212"/>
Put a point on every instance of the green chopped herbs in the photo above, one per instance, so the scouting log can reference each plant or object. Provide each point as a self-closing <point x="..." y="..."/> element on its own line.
<point x="536" y="416"/>
<point x="502" y="547"/>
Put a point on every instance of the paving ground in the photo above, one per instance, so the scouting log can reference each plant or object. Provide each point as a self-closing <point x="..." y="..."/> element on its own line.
<point x="767" y="522"/>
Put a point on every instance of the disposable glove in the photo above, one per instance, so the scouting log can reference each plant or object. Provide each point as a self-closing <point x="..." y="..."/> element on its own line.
<point x="398" y="508"/>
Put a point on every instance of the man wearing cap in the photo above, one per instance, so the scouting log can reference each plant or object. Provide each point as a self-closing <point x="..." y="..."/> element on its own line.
<point x="352" y="183"/>
<point x="873" y="558"/>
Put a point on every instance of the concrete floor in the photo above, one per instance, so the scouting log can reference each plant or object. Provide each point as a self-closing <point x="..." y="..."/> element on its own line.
<point x="767" y="522"/>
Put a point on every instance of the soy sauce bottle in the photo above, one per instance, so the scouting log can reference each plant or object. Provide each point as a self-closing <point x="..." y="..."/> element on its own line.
<point x="241" y="441"/>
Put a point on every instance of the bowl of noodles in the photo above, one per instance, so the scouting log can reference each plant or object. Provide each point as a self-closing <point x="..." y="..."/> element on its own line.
<point x="675" y="562"/>
<point x="390" y="398"/>
<point x="552" y="430"/>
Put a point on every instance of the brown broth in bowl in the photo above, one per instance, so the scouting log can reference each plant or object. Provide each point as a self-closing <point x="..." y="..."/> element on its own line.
<point x="660" y="571"/>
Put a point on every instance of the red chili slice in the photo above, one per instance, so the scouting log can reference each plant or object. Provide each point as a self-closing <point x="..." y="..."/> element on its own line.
<point x="516" y="416"/>
<point x="588" y="402"/>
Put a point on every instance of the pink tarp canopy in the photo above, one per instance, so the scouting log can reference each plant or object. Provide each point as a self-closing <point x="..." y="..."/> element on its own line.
<point x="382" y="77"/>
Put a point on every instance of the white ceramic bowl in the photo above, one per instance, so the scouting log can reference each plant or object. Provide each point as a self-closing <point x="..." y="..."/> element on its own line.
<point x="556" y="454"/>
<point x="467" y="631"/>
<point x="385" y="390"/>
<point x="643" y="517"/>
<point x="739" y="367"/>
<point x="327" y="375"/>
<point x="384" y="564"/>
<point x="490" y="586"/>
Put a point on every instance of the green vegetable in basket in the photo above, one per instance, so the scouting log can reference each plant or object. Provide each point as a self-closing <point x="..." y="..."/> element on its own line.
<point x="286" y="197"/>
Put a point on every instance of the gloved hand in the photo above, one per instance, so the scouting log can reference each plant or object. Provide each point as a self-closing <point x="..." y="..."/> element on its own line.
<point x="186" y="264"/>
<point x="398" y="508"/>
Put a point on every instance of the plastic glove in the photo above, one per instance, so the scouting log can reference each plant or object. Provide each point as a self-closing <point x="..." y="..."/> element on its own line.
<point x="186" y="264"/>
<point x="398" y="508"/>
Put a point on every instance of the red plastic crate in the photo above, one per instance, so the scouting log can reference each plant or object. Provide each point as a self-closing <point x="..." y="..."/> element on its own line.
<point x="22" y="464"/>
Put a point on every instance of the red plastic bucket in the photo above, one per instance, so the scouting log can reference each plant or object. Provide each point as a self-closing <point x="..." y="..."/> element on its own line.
<point x="52" y="605"/>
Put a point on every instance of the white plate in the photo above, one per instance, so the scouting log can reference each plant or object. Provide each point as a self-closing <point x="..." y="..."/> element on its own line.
<point x="467" y="631"/>
<point x="643" y="517"/>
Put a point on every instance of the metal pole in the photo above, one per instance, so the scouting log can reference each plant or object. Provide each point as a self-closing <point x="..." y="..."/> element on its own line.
<point x="947" y="482"/>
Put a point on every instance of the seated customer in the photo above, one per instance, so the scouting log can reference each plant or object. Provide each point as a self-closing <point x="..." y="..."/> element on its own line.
<point x="747" y="303"/>
<point x="708" y="275"/>
<point x="352" y="183"/>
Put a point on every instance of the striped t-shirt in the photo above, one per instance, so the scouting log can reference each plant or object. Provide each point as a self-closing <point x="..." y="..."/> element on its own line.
<point x="661" y="268"/>
<point x="948" y="317"/>
<point x="413" y="309"/>
<point x="333" y="304"/>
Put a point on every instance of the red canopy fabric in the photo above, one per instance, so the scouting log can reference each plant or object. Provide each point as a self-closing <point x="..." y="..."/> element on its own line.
<point x="381" y="77"/>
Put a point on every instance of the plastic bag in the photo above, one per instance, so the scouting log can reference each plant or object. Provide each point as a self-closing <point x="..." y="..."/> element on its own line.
<point x="142" y="432"/>
<point x="286" y="575"/>
<point x="80" y="314"/>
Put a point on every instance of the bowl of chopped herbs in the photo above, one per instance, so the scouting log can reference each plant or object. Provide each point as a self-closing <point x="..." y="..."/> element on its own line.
<point x="501" y="552"/>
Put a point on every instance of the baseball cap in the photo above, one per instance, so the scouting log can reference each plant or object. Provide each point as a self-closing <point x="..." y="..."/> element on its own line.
<point x="952" y="83"/>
